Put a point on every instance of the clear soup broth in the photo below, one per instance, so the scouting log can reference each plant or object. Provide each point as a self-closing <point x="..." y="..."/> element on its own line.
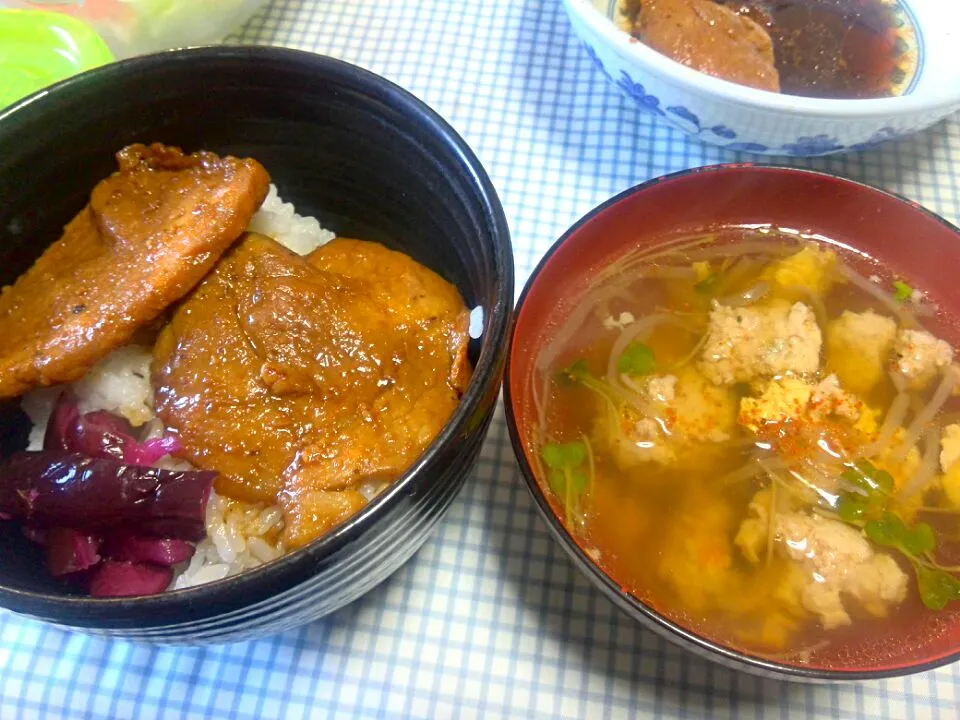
<point x="758" y="439"/>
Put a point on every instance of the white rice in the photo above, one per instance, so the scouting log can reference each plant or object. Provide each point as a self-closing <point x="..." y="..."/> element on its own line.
<point x="240" y="535"/>
<point x="279" y="220"/>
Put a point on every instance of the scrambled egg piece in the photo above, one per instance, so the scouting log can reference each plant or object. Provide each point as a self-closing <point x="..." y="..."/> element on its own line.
<point x="950" y="463"/>
<point x="702" y="411"/>
<point x="702" y="270"/>
<point x="919" y="357"/>
<point x="762" y="341"/>
<point x="835" y="558"/>
<point x="697" y="560"/>
<point x="791" y="398"/>
<point x="688" y="410"/>
<point x="751" y="537"/>
<point x="857" y="348"/>
<point x="901" y="468"/>
<point x="783" y="399"/>
<point x="698" y="565"/>
<point x="811" y="271"/>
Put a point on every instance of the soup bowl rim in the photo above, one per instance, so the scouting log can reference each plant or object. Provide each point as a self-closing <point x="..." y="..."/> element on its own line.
<point x="636" y="608"/>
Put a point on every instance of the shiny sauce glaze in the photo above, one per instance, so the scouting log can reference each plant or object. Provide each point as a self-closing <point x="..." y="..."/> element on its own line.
<point x="842" y="49"/>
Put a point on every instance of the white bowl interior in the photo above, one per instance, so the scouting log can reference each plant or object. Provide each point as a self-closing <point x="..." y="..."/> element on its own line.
<point x="936" y="79"/>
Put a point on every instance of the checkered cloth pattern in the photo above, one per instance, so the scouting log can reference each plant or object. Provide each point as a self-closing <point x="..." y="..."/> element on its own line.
<point x="489" y="620"/>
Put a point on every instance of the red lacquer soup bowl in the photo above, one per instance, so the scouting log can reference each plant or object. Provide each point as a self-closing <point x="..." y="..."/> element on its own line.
<point x="890" y="235"/>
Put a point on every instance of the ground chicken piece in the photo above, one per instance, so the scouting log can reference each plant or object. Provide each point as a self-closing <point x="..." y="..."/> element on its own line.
<point x="829" y="399"/>
<point x="920" y="356"/>
<point x="877" y="584"/>
<point x="950" y="463"/>
<point x="839" y="560"/>
<point x="662" y="389"/>
<point x="790" y="398"/>
<point x="637" y="439"/>
<point x="746" y="343"/>
<point x="689" y="411"/>
<point x="620" y="322"/>
<point x="949" y="447"/>
<point x="809" y="271"/>
<point x="857" y="348"/>
<point x="823" y="600"/>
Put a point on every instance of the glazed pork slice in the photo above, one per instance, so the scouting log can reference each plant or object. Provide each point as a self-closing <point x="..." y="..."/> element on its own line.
<point x="311" y="381"/>
<point x="412" y="295"/>
<point x="149" y="234"/>
<point x="710" y="38"/>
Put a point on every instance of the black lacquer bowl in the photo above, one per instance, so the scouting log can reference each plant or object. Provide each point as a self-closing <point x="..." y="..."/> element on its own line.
<point x="347" y="146"/>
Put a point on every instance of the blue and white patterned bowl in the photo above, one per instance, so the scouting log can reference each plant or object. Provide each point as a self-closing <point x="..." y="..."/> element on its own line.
<point x="742" y="118"/>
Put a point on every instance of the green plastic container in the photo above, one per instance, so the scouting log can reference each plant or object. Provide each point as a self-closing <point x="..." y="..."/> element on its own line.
<point x="40" y="48"/>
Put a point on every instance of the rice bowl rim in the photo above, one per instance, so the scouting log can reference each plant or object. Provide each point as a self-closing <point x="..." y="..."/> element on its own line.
<point x="295" y="566"/>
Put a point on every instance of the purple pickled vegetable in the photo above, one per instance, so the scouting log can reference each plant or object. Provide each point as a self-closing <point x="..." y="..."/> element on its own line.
<point x="149" y="451"/>
<point x="61" y="424"/>
<point x="97" y="434"/>
<point x="124" y="579"/>
<point x="58" y="489"/>
<point x="101" y="435"/>
<point x="166" y="551"/>
<point x="34" y="533"/>
<point x="69" y="551"/>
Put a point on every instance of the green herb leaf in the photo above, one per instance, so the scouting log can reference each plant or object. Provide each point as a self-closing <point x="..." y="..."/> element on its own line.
<point x="901" y="291"/>
<point x="864" y="475"/>
<point x="578" y="481"/>
<point x="558" y="482"/>
<point x="920" y="539"/>
<point x="852" y="508"/>
<point x="575" y="372"/>
<point x="856" y="479"/>
<point x="937" y="587"/>
<point x="883" y="480"/>
<point x="563" y="456"/>
<point x="888" y="531"/>
<point x="708" y="284"/>
<point x="637" y="359"/>
<point x="568" y="484"/>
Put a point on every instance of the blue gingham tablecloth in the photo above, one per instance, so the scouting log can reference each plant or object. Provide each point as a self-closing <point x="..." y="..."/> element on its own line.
<point x="489" y="620"/>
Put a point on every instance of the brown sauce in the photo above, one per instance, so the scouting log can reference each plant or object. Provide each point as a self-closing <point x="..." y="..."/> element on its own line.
<point x="840" y="49"/>
<point x="843" y="49"/>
